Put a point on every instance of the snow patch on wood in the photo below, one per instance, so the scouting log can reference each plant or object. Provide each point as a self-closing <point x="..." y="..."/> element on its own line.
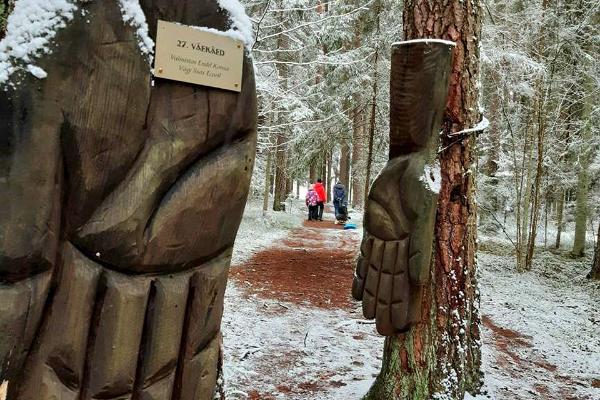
<point x="134" y="16"/>
<point x="30" y="29"/>
<point x="241" y="25"/>
<point x="447" y="42"/>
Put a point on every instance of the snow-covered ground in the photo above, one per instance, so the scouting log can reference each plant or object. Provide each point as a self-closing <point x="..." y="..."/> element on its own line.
<point x="555" y="309"/>
<point x="334" y="352"/>
<point x="540" y="331"/>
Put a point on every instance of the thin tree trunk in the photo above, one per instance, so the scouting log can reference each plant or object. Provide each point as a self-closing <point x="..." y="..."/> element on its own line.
<point x="345" y="164"/>
<point x="312" y="173"/>
<point x="560" y="206"/>
<point x="595" y="272"/>
<point x="535" y="212"/>
<point x="372" y="122"/>
<point x="583" y="178"/>
<point x="358" y="161"/>
<point x="280" y="178"/>
<point x="441" y="356"/>
<point x="267" y="181"/>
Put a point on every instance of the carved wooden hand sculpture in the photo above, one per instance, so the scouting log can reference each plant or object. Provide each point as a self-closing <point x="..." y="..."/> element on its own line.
<point x="400" y="211"/>
<point x="120" y="205"/>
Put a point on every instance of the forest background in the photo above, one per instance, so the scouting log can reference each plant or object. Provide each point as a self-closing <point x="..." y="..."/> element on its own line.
<point x="323" y="85"/>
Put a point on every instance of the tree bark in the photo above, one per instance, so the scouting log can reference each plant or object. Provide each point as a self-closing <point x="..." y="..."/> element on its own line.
<point x="560" y="206"/>
<point x="280" y="179"/>
<point x="266" y="191"/>
<point x="442" y="355"/>
<point x="595" y="272"/>
<point x="345" y="164"/>
<point x="372" y="122"/>
<point x="583" y="178"/>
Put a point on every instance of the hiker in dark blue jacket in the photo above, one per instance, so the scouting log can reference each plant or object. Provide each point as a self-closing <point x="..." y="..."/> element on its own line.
<point x="339" y="202"/>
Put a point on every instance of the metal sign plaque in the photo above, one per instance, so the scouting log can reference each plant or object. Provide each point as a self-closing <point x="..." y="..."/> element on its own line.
<point x="188" y="54"/>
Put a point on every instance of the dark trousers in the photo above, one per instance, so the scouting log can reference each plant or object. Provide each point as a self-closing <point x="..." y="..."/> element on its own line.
<point x="312" y="213"/>
<point x="321" y="207"/>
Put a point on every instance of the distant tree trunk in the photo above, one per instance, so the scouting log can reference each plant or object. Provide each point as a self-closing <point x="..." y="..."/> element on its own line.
<point x="280" y="175"/>
<point x="493" y="153"/>
<point x="441" y="357"/>
<point x="345" y="164"/>
<point x="583" y="178"/>
<point x="373" y="118"/>
<point x="595" y="272"/>
<point x="535" y="212"/>
<point x="267" y="181"/>
<point x="358" y="137"/>
<point x="312" y="173"/>
<point x="328" y="178"/>
<point x="357" y="154"/>
<point x="289" y="184"/>
<point x="560" y="206"/>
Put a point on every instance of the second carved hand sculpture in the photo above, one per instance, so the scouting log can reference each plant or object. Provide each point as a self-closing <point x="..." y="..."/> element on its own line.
<point x="400" y="211"/>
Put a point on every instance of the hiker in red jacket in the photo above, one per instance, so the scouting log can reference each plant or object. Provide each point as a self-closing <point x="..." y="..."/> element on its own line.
<point x="320" y="189"/>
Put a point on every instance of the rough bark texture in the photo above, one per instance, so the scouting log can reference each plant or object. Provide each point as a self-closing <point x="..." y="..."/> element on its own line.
<point x="345" y="164"/>
<point x="595" y="272"/>
<point x="121" y="202"/>
<point x="358" y="154"/>
<point x="441" y="354"/>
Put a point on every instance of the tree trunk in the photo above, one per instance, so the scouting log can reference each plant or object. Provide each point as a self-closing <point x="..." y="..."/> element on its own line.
<point x="583" y="179"/>
<point x="345" y="164"/>
<point x="280" y="179"/>
<point x="541" y="133"/>
<point x="357" y="154"/>
<point x="595" y="272"/>
<point x="312" y="173"/>
<point x="267" y="181"/>
<point x="441" y="355"/>
<point x="372" y="121"/>
<point x="560" y="206"/>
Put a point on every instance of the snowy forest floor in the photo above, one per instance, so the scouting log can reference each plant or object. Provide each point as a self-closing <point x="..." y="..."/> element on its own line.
<point x="292" y="331"/>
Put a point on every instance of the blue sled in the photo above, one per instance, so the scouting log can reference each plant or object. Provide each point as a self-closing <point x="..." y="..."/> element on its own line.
<point x="350" y="226"/>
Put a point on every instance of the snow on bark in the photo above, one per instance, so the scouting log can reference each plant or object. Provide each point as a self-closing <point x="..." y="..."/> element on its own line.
<point x="30" y="29"/>
<point x="134" y="16"/>
<point x="240" y="22"/>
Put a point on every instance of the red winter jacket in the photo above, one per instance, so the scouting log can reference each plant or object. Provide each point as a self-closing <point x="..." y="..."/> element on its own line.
<point x="321" y="192"/>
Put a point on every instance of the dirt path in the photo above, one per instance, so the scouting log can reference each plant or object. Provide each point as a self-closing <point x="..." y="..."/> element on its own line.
<point x="310" y="341"/>
<point x="309" y="267"/>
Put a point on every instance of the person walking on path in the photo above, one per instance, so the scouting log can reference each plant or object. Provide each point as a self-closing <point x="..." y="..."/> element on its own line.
<point x="339" y="202"/>
<point x="320" y="189"/>
<point x="311" y="201"/>
<point x="339" y="196"/>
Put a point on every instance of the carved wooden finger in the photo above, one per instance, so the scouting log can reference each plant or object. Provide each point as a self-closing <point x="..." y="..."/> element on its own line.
<point x="110" y="335"/>
<point x="362" y="268"/>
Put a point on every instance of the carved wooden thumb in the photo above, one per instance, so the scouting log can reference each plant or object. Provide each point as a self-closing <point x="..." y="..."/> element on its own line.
<point x="399" y="219"/>
<point x="120" y="202"/>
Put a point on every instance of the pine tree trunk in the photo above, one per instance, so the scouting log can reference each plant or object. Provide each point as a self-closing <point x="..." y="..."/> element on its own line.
<point x="583" y="178"/>
<point x="345" y="164"/>
<point x="280" y="179"/>
<point x="442" y="354"/>
<point x="358" y="137"/>
<point x="267" y="181"/>
<point x="595" y="272"/>
<point x="535" y="212"/>
<point x="560" y="206"/>
<point x="312" y="173"/>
